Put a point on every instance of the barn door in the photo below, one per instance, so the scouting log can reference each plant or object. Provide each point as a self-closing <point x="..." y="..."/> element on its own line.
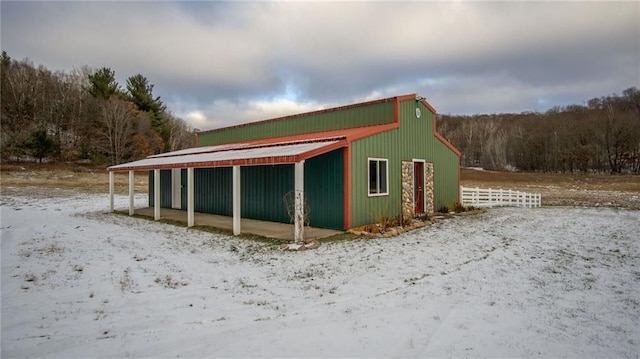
<point x="418" y="187"/>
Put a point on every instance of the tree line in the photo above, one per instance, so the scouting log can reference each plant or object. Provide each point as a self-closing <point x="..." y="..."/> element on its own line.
<point x="83" y="114"/>
<point x="601" y="136"/>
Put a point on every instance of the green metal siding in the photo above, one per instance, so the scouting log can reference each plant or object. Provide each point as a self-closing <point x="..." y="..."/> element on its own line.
<point x="375" y="114"/>
<point x="324" y="190"/>
<point x="165" y="189"/>
<point x="263" y="190"/>
<point x="413" y="140"/>
<point x="263" y="187"/>
<point x="213" y="190"/>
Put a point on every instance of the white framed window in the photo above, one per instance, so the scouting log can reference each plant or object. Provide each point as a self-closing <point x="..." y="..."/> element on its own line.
<point x="378" y="176"/>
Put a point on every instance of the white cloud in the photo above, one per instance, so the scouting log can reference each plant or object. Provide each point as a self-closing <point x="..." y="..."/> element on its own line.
<point x="279" y="108"/>
<point x="226" y="113"/>
<point x="196" y="119"/>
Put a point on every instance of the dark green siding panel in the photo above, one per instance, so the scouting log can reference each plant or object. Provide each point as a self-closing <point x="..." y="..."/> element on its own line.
<point x="324" y="190"/>
<point x="213" y="190"/>
<point x="252" y="191"/>
<point x="263" y="190"/>
<point x="375" y="114"/>
<point x="165" y="189"/>
<point x="413" y="140"/>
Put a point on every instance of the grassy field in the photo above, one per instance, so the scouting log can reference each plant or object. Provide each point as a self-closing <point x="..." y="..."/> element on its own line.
<point x="592" y="190"/>
<point x="67" y="176"/>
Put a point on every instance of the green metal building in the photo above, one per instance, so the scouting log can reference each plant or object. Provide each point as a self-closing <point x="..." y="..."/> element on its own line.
<point x="339" y="168"/>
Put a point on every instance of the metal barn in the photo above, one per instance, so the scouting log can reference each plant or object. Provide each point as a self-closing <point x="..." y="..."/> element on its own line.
<point x="336" y="168"/>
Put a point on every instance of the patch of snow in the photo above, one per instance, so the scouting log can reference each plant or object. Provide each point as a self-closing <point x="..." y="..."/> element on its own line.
<point x="546" y="282"/>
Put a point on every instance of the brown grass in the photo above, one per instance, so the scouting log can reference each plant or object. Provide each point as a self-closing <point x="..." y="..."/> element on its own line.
<point x="84" y="178"/>
<point x="563" y="189"/>
<point x="556" y="189"/>
<point x="623" y="183"/>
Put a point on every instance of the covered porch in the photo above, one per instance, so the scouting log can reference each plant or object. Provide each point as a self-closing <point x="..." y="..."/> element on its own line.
<point x="267" y="229"/>
<point x="234" y="157"/>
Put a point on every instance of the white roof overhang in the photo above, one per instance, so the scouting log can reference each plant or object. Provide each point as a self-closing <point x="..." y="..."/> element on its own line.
<point x="241" y="154"/>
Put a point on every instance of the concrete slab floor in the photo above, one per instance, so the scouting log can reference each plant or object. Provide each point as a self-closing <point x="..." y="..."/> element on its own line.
<point x="275" y="230"/>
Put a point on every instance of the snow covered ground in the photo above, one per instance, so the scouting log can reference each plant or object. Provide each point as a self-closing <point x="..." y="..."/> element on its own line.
<point x="549" y="282"/>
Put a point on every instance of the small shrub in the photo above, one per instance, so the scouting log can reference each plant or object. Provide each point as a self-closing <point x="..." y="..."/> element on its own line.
<point x="459" y="208"/>
<point x="403" y="221"/>
<point x="385" y="221"/>
<point x="100" y="159"/>
<point x="443" y="209"/>
<point x="383" y="217"/>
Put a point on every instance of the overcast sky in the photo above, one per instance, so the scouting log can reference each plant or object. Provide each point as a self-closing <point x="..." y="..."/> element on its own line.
<point x="221" y="63"/>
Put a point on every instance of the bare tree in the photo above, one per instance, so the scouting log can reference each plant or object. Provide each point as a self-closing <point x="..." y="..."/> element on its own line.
<point x="180" y="134"/>
<point x="19" y="104"/>
<point x="117" y="117"/>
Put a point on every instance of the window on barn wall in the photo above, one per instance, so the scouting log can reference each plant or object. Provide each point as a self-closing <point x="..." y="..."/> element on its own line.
<point x="378" y="177"/>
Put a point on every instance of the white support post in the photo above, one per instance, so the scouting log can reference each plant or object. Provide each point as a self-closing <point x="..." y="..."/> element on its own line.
<point x="156" y="194"/>
<point x="111" y="174"/>
<point x="131" y="192"/>
<point x="190" y="214"/>
<point x="176" y="188"/>
<point x="236" y="200"/>
<point x="299" y="203"/>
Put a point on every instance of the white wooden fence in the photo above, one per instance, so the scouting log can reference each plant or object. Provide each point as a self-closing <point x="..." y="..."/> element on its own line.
<point x="488" y="197"/>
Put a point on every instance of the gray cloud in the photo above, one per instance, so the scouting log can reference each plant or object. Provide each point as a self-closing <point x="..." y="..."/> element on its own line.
<point x="220" y="63"/>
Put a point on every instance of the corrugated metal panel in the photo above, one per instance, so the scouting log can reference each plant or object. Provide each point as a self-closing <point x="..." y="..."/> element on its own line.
<point x="263" y="191"/>
<point x="413" y="140"/>
<point x="324" y="190"/>
<point x="375" y="114"/>
<point x="165" y="189"/>
<point x="269" y="154"/>
<point x="367" y="209"/>
<point x="213" y="190"/>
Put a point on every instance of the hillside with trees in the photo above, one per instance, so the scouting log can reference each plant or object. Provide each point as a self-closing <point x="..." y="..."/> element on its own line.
<point x="601" y="136"/>
<point x="83" y="114"/>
